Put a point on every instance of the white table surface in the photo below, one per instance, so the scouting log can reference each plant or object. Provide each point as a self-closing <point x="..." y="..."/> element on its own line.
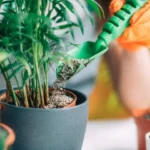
<point x="111" y="135"/>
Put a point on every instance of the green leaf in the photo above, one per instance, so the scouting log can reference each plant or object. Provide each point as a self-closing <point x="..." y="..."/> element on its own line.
<point x="53" y="37"/>
<point x="86" y="11"/>
<point x="12" y="66"/>
<point x="25" y="78"/>
<point x="46" y="48"/>
<point x="14" y="72"/>
<point x="21" y="58"/>
<point x="65" y="26"/>
<point x="67" y="17"/>
<point x="23" y="35"/>
<point x="96" y="7"/>
<point x="4" y="55"/>
<point x="71" y="8"/>
<point x="1" y="2"/>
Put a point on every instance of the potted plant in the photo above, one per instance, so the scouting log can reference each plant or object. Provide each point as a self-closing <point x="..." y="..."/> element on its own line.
<point x="42" y="117"/>
<point x="7" y="137"/>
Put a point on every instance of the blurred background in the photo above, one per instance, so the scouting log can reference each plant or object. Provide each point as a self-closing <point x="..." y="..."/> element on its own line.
<point x="110" y="127"/>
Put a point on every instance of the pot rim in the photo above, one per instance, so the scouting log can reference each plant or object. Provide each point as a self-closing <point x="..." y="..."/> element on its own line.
<point x="42" y="109"/>
<point x="11" y="136"/>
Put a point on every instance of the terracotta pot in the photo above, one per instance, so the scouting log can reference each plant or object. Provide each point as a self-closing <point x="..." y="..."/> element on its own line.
<point x="74" y="99"/>
<point x="143" y="127"/>
<point x="47" y="129"/>
<point x="69" y="93"/>
<point x="10" y="137"/>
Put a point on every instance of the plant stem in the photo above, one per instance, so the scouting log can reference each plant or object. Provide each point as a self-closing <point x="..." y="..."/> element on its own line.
<point x="39" y="82"/>
<point x="25" y="97"/>
<point x="29" y="94"/>
<point x="37" y="93"/>
<point x="17" y="82"/>
<point x="46" y="91"/>
<point x="37" y="71"/>
<point x="11" y="90"/>
<point x="9" y="87"/>
<point x="36" y="49"/>
<point x="7" y="93"/>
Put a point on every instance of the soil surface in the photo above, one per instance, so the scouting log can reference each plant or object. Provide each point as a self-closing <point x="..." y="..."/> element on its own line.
<point x="58" y="99"/>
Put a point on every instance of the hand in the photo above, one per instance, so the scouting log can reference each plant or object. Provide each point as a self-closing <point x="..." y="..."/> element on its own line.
<point x="136" y="35"/>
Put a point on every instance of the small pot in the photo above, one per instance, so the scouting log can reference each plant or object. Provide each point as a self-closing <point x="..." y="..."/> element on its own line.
<point x="69" y="93"/>
<point x="9" y="140"/>
<point x="47" y="129"/>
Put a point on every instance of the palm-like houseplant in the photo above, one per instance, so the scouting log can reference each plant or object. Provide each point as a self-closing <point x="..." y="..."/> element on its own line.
<point x="29" y="44"/>
<point x="28" y="35"/>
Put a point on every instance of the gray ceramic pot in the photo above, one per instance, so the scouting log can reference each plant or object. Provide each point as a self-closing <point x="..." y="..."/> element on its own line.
<point x="53" y="129"/>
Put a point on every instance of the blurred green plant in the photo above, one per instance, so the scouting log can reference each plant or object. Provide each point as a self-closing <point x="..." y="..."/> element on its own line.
<point x="3" y="136"/>
<point x="7" y="137"/>
<point x="28" y="40"/>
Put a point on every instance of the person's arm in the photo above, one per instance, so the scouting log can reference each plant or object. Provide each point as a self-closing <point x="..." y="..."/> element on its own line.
<point x="131" y="76"/>
<point x="134" y="80"/>
<point x="129" y="61"/>
<point x="113" y="58"/>
<point x="130" y="70"/>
